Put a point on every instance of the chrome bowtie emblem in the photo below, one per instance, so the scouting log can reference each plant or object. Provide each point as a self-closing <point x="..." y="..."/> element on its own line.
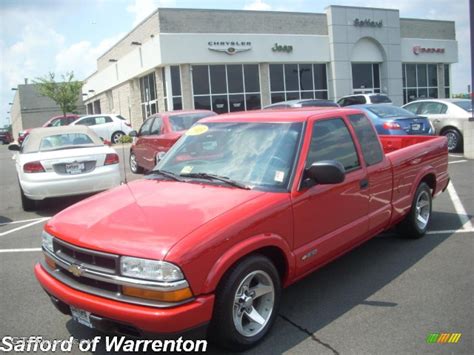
<point x="76" y="270"/>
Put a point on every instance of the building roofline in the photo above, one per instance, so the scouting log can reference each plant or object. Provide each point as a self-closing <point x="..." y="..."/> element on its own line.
<point x="425" y="19"/>
<point x="362" y="7"/>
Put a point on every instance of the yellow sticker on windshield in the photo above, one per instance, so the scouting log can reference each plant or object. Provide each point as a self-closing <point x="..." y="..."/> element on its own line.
<point x="197" y="130"/>
<point x="187" y="169"/>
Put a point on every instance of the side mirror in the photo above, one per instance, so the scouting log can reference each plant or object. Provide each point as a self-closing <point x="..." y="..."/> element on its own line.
<point x="326" y="172"/>
<point x="14" y="147"/>
<point x="133" y="134"/>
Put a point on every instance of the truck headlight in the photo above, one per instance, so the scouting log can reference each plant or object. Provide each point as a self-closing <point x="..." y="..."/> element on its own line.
<point x="149" y="269"/>
<point x="47" y="241"/>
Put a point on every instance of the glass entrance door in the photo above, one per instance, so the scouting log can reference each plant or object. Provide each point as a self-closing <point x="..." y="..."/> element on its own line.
<point x="365" y="78"/>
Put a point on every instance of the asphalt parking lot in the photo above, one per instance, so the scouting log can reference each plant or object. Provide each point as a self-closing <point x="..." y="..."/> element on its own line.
<point x="384" y="297"/>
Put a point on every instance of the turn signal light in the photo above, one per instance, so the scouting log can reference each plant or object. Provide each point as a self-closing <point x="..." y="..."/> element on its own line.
<point x="166" y="296"/>
<point x="50" y="262"/>
<point x="33" y="167"/>
<point x="111" y="158"/>
<point x="391" y="125"/>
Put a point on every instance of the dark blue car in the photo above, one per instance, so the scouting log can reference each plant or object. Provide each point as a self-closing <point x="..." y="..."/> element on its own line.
<point x="393" y="120"/>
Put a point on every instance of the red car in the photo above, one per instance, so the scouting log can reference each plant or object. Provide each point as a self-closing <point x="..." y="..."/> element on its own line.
<point x="5" y="136"/>
<point x="242" y="206"/>
<point x="52" y="122"/>
<point x="158" y="134"/>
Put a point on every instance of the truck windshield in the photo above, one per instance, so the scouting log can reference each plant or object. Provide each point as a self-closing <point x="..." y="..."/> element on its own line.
<point x="258" y="155"/>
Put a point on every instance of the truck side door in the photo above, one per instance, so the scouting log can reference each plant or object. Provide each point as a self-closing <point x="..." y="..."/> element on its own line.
<point x="379" y="171"/>
<point x="330" y="218"/>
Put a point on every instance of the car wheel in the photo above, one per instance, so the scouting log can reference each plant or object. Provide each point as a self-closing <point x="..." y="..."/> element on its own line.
<point x="26" y="203"/>
<point x="116" y="137"/>
<point x="247" y="303"/>
<point x="454" y="139"/>
<point x="416" y="222"/>
<point x="134" y="167"/>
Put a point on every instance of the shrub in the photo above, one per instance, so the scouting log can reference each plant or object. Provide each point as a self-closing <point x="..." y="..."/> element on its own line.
<point x="126" y="139"/>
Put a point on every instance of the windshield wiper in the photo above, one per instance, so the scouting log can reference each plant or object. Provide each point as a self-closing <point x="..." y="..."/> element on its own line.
<point x="225" y="179"/>
<point x="168" y="174"/>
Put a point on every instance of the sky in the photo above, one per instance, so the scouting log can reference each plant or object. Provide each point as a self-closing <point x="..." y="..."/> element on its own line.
<point x="42" y="36"/>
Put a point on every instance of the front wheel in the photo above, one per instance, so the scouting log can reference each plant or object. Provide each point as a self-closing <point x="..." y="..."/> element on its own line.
<point x="454" y="140"/>
<point x="247" y="303"/>
<point x="416" y="222"/>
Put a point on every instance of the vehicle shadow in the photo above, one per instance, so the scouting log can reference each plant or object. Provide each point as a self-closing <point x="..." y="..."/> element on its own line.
<point x="330" y="292"/>
<point x="51" y="206"/>
<point x="4" y="220"/>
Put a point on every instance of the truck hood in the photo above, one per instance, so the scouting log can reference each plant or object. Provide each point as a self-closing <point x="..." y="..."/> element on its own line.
<point x="145" y="218"/>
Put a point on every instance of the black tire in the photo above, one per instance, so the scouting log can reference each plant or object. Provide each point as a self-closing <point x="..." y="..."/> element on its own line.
<point x="116" y="137"/>
<point x="409" y="227"/>
<point x="134" y="167"/>
<point x="27" y="204"/>
<point x="223" y="330"/>
<point x="455" y="141"/>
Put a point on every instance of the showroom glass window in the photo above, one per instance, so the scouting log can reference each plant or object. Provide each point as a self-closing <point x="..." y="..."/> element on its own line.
<point x="176" y="96"/>
<point x="298" y="81"/>
<point x="419" y="81"/>
<point x="226" y="88"/>
<point x="365" y="78"/>
<point x="447" y="91"/>
<point x="148" y="95"/>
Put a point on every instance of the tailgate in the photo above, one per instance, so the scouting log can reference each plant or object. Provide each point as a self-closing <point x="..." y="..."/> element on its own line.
<point x="393" y="143"/>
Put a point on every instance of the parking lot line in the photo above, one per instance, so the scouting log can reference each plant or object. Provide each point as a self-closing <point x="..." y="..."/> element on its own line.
<point x="19" y="250"/>
<point x="25" y="226"/>
<point x="452" y="231"/>
<point x="458" y="161"/>
<point x="462" y="214"/>
<point x="21" y="221"/>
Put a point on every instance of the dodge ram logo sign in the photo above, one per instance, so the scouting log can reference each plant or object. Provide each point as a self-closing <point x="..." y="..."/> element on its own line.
<point x="419" y="49"/>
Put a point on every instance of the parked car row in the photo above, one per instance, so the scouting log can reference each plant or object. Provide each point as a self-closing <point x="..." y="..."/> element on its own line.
<point x="109" y="127"/>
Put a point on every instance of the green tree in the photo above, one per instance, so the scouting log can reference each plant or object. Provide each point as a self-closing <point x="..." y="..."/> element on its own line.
<point x="65" y="93"/>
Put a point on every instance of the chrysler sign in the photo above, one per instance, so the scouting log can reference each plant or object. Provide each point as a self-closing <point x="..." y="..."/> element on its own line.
<point x="229" y="47"/>
<point x="419" y="49"/>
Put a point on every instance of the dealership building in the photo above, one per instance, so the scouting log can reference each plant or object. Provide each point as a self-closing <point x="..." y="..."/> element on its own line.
<point x="230" y="60"/>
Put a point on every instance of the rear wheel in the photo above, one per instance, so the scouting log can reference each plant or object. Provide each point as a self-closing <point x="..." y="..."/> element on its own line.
<point x="26" y="203"/>
<point x="416" y="222"/>
<point x="116" y="137"/>
<point x="247" y="302"/>
<point x="134" y="167"/>
<point x="454" y="139"/>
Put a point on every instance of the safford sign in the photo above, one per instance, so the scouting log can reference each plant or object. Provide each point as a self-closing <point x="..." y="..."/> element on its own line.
<point x="419" y="50"/>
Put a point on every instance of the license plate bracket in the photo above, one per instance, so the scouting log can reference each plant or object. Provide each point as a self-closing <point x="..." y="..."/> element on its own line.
<point x="74" y="168"/>
<point x="81" y="316"/>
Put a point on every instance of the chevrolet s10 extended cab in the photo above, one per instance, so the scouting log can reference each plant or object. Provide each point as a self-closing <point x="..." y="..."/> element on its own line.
<point x="242" y="206"/>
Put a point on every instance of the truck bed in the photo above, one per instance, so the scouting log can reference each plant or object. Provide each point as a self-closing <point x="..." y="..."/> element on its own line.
<point x="411" y="158"/>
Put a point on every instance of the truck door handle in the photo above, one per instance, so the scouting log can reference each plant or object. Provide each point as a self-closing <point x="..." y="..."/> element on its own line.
<point x="364" y="183"/>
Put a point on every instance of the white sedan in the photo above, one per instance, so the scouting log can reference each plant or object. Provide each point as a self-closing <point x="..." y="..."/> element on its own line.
<point x="63" y="161"/>
<point x="108" y="127"/>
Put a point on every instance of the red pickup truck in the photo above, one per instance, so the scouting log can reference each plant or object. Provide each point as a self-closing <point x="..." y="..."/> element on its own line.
<point x="242" y="206"/>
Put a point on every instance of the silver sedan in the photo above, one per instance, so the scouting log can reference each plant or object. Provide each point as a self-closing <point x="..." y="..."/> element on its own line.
<point x="446" y="115"/>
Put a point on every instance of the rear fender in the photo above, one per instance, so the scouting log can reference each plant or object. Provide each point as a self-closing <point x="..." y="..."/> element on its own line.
<point x="246" y="247"/>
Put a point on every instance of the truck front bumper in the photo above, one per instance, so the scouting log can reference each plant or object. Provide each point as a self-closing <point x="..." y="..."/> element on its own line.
<point x="129" y="319"/>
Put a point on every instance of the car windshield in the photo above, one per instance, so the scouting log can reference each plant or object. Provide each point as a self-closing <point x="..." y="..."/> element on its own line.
<point x="258" y="155"/>
<point x="65" y="140"/>
<point x="380" y="99"/>
<point x="465" y="105"/>
<point x="389" y="111"/>
<point x="185" y="121"/>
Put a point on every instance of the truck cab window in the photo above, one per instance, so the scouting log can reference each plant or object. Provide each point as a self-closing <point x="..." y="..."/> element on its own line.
<point x="331" y="140"/>
<point x="367" y="137"/>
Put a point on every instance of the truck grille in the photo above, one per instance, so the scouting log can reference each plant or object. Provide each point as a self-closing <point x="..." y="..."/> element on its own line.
<point x="94" y="260"/>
